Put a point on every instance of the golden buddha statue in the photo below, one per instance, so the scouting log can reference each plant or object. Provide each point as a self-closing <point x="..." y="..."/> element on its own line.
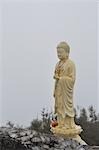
<point x="65" y="74"/>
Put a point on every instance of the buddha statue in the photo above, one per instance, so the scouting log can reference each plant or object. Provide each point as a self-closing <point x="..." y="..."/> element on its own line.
<point x="65" y="75"/>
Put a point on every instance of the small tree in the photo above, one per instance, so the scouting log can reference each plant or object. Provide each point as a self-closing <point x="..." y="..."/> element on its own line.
<point x="83" y="116"/>
<point x="10" y="124"/>
<point x="92" y="114"/>
<point x="36" y="125"/>
<point x="45" y="120"/>
<point x="42" y="125"/>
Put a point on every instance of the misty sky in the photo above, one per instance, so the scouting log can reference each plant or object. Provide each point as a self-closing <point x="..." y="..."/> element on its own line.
<point x="31" y="31"/>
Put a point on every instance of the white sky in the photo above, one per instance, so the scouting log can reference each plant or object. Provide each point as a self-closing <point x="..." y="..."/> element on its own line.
<point x="31" y="31"/>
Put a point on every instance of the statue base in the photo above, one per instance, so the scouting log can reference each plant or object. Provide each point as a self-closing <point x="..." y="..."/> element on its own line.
<point x="71" y="133"/>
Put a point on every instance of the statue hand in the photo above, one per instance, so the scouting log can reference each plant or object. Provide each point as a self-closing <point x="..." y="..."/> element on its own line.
<point x="56" y="77"/>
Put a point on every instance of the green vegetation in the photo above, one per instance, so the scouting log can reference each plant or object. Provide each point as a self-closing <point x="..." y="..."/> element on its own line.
<point x="42" y="125"/>
<point x="90" y="124"/>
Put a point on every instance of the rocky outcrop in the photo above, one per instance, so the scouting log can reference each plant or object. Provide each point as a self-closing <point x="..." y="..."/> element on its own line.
<point x="25" y="139"/>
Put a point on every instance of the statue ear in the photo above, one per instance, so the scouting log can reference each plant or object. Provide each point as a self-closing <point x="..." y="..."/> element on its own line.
<point x="67" y="54"/>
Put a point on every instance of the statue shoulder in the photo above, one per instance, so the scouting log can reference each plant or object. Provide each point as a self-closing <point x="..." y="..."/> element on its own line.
<point x="71" y="63"/>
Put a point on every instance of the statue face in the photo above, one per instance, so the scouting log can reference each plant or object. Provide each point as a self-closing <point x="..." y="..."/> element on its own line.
<point x="61" y="53"/>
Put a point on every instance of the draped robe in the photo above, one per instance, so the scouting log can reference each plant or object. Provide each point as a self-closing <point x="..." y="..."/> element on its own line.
<point x="64" y="76"/>
<point x="64" y="89"/>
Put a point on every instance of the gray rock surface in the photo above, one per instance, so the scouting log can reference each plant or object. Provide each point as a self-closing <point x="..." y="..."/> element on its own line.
<point x="25" y="139"/>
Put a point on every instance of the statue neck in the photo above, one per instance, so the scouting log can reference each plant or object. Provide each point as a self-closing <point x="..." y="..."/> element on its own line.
<point x="63" y="60"/>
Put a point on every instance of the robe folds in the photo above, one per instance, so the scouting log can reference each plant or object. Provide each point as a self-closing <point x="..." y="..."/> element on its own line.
<point x="64" y="88"/>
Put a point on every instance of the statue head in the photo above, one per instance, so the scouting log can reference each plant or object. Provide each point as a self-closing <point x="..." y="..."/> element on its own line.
<point x="63" y="50"/>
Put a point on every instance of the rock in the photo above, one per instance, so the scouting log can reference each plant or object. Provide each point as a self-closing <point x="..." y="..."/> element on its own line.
<point x="36" y="140"/>
<point x="46" y="147"/>
<point x="43" y="139"/>
<point x="25" y="139"/>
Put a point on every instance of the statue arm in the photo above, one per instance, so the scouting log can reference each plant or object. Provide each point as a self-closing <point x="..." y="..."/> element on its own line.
<point x="56" y="77"/>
